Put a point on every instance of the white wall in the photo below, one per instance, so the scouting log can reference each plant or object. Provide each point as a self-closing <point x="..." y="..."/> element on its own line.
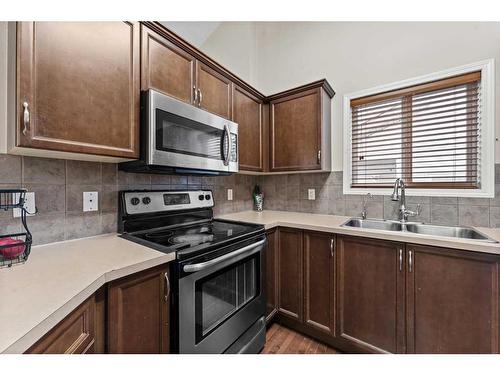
<point x="355" y="56"/>
<point x="234" y="45"/>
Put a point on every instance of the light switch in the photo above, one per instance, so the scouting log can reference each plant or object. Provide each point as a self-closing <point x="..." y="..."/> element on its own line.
<point x="90" y="201"/>
<point x="29" y="204"/>
<point x="229" y="194"/>
<point x="311" y="194"/>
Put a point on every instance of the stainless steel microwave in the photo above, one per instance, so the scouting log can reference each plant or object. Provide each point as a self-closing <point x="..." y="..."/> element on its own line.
<point x="177" y="137"/>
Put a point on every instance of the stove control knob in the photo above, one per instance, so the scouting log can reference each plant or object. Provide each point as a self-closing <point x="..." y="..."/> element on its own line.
<point x="135" y="201"/>
<point x="201" y="197"/>
<point x="146" y="200"/>
<point x="207" y="197"/>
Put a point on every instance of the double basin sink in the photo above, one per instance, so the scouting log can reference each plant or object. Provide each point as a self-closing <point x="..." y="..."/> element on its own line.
<point x="419" y="228"/>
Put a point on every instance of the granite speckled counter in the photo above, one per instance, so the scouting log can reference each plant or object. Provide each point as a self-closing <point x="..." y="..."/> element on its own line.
<point x="332" y="224"/>
<point x="58" y="277"/>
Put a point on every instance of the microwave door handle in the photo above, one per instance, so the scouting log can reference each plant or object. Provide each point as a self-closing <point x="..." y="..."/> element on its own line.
<point x="229" y="145"/>
<point x="226" y="137"/>
<point x="210" y="263"/>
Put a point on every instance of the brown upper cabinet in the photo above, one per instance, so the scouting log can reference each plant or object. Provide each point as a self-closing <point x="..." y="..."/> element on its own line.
<point x="214" y="92"/>
<point x="248" y="113"/>
<point x="300" y="128"/>
<point x="166" y="67"/>
<point x="78" y="88"/>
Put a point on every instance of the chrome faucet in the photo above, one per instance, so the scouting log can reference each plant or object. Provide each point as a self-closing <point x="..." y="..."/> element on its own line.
<point x="404" y="213"/>
<point x="365" y="201"/>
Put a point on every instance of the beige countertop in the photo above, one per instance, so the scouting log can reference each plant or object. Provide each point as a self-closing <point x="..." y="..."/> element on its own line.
<point x="58" y="277"/>
<point x="332" y="224"/>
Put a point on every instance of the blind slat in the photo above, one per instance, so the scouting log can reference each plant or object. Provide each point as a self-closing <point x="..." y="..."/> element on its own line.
<point x="429" y="135"/>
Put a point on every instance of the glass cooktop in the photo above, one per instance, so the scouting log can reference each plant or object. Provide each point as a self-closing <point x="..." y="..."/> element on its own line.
<point x="191" y="236"/>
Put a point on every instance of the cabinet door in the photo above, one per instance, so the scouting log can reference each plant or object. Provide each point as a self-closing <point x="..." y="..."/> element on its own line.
<point x="271" y="262"/>
<point x="295" y="132"/>
<point x="214" y="90"/>
<point x="247" y="113"/>
<point x="370" y="294"/>
<point x="452" y="301"/>
<point x="138" y="313"/>
<point x="79" y="82"/>
<point x="74" y="335"/>
<point x="319" y="281"/>
<point x="290" y="273"/>
<point x="166" y="67"/>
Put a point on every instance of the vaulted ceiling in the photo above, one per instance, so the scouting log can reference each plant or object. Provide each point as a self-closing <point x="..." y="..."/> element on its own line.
<point x="195" y="33"/>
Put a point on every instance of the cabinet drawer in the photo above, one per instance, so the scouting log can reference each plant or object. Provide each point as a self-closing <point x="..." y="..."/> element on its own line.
<point x="74" y="335"/>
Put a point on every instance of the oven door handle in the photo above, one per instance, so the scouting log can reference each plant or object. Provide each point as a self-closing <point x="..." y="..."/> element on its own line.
<point x="201" y="266"/>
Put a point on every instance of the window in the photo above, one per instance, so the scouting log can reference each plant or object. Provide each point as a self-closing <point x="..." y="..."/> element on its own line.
<point x="433" y="134"/>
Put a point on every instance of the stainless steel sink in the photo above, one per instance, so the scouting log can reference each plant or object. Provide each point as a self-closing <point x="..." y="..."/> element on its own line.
<point x="393" y="226"/>
<point x="419" y="228"/>
<point x="456" y="232"/>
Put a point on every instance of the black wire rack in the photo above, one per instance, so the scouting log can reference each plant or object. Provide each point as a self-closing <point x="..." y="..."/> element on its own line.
<point x="14" y="248"/>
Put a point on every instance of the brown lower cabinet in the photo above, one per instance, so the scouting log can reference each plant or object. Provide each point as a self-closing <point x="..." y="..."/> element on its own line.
<point x="74" y="335"/>
<point x="375" y="296"/>
<point x="129" y="315"/>
<point x="271" y="281"/>
<point x="371" y="294"/>
<point x="290" y="290"/>
<point x="452" y="301"/>
<point x="319" y="281"/>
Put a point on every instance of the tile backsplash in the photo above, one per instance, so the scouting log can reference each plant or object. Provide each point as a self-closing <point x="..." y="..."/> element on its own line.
<point x="289" y="192"/>
<point x="59" y="187"/>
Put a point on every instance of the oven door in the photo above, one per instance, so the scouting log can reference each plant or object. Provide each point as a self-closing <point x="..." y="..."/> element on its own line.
<point x="183" y="136"/>
<point x="220" y="298"/>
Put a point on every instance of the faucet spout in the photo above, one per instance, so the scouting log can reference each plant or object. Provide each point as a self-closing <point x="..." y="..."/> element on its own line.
<point x="395" y="192"/>
<point x="404" y="213"/>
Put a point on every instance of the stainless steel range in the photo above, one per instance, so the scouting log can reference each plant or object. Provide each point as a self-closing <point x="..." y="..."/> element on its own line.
<point x="218" y="303"/>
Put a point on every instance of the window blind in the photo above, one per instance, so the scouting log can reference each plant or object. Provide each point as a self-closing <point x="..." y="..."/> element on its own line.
<point x="429" y="135"/>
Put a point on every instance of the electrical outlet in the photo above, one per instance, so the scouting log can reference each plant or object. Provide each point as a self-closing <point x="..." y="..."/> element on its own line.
<point x="90" y="201"/>
<point x="311" y="194"/>
<point x="29" y="204"/>
<point x="229" y="194"/>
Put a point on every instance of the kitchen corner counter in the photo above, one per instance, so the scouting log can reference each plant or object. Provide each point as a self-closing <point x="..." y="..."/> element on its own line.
<point x="332" y="224"/>
<point x="57" y="278"/>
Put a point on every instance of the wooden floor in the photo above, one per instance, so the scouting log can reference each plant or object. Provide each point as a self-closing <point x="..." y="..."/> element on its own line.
<point x="281" y="340"/>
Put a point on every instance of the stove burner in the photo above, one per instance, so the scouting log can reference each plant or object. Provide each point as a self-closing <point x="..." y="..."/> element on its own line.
<point x="193" y="239"/>
<point x="159" y="234"/>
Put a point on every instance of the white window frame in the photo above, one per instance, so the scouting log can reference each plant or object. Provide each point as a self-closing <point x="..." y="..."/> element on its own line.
<point x="487" y="190"/>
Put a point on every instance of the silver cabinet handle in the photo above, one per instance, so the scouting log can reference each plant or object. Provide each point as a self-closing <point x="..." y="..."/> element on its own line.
<point x="168" y="287"/>
<point x="331" y="247"/>
<point x="410" y="260"/>
<point x="195" y="95"/>
<point x="400" y="260"/>
<point x="209" y="263"/>
<point x="200" y="95"/>
<point x="319" y="156"/>
<point x="26" y="118"/>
